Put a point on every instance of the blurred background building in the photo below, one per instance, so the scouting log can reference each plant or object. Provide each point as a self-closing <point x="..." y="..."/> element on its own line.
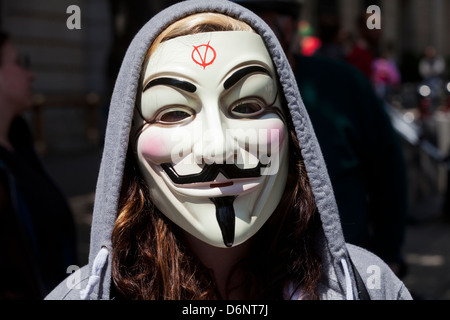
<point x="409" y="24"/>
<point x="76" y="69"/>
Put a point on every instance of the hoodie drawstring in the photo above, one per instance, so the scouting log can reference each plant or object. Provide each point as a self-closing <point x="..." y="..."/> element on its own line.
<point x="348" y="281"/>
<point x="94" y="278"/>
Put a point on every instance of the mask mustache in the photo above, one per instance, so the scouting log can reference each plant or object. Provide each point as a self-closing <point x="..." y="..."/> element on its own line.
<point x="211" y="171"/>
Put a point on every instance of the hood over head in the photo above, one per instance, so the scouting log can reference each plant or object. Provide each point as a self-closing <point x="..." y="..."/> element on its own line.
<point x="119" y="126"/>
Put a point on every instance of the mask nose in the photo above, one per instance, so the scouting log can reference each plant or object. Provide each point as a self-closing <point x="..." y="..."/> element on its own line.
<point x="213" y="146"/>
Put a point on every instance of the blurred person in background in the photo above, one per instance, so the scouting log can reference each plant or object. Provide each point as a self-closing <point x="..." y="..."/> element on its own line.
<point x="365" y="46"/>
<point x="37" y="235"/>
<point x="332" y="38"/>
<point x="385" y="74"/>
<point x="361" y="149"/>
<point x="432" y="68"/>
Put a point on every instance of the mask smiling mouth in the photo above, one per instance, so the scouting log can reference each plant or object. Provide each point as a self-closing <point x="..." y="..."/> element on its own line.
<point x="221" y="184"/>
<point x="210" y="172"/>
<point x="209" y="176"/>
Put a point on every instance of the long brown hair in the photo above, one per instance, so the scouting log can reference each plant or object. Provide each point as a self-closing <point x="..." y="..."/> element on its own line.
<point x="151" y="261"/>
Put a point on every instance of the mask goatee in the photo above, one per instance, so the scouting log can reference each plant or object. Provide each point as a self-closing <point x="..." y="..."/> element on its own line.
<point x="225" y="217"/>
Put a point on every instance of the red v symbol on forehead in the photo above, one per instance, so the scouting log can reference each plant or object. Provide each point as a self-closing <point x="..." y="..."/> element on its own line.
<point x="204" y="59"/>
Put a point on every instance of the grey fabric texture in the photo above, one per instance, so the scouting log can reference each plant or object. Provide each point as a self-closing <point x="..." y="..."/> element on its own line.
<point x="116" y="143"/>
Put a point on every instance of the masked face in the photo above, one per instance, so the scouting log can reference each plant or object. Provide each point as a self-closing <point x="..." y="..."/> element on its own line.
<point x="210" y="137"/>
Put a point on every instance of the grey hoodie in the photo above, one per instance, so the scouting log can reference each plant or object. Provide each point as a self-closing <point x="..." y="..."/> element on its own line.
<point x="348" y="271"/>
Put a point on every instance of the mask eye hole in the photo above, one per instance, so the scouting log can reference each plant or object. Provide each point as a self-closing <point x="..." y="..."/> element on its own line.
<point x="175" y="115"/>
<point x="247" y="108"/>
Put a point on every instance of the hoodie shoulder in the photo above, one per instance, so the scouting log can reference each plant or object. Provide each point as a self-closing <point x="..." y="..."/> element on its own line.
<point x="380" y="281"/>
<point x="69" y="289"/>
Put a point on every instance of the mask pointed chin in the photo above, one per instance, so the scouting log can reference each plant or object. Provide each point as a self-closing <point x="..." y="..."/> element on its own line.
<point x="225" y="218"/>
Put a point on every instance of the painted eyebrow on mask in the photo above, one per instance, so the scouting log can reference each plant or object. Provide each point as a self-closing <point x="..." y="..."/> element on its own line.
<point x="180" y="84"/>
<point x="242" y="73"/>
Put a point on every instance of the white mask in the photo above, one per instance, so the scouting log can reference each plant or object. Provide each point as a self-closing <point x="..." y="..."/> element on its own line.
<point x="210" y="99"/>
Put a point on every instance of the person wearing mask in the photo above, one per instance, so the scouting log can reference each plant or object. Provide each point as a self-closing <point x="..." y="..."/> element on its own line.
<point x="212" y="183"/>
